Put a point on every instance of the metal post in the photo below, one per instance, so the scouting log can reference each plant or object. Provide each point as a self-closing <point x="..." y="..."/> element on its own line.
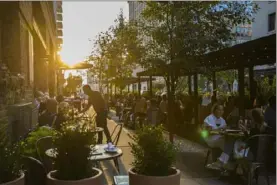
<point x="241" y="90"/>
<point x="139" y="86"/>
<point x="214" y="84"/>
<point x="150" y="87"/>
<point x="252" y="87"/>
<point x="189" y="84"/>
<point x="195" y="85"/>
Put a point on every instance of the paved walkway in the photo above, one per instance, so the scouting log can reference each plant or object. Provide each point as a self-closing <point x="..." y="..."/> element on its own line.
<point x="190" y="162"/>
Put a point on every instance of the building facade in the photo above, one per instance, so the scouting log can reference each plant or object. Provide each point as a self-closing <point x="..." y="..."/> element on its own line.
<point x="264" y="25"/>
<point x="29" y="41"/>
<point x="265" y="19"/>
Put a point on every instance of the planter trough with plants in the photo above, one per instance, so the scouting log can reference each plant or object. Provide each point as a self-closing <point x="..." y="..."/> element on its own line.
<point x="95" y="179"/>
<point x="154" y="157"/>
<point x="72" y="165"/>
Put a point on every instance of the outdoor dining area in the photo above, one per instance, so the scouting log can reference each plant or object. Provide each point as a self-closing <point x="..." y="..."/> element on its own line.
<point x="231" y="127"/>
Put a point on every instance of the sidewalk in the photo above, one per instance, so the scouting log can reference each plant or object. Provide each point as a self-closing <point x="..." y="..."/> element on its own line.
<point x="190" y="161"/>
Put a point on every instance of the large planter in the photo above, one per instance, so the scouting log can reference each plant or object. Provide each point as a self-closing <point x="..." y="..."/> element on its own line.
<point x="95" y="180"/>
<point x="18" y="181"/>
<point x="137" y="179"/>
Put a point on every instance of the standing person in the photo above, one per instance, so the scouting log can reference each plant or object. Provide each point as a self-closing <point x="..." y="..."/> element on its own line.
<point x="100" y="107"/>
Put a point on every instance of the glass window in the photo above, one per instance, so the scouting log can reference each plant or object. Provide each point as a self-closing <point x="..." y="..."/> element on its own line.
<point x="271" y="22"/>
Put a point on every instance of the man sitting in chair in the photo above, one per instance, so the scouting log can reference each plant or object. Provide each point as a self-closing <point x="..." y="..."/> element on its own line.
<point x="100" y="107"/>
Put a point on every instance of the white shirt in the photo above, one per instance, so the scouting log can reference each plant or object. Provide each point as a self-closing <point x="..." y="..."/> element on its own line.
<point x="212" y="122"/>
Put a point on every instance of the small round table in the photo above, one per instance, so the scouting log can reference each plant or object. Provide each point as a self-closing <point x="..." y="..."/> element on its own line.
<point x="98" y="154"/>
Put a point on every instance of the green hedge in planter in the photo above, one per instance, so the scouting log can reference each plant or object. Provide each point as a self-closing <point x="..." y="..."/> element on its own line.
<point x="10" y="166"/>
<point x="153" y="154"/>
<point x="29" y="144"/>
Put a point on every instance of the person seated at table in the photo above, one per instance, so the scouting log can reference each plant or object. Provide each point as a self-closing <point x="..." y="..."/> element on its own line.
<point x="270" y="114"/>
<point x="236" y="147"/>
<point x="215" y="122"/>
<point x="47" y="118"/>
<point x="163" y="108"/>
<point x="234" y="117"/>
<point x="60" y="98"/>
<point x="152" y="113"/>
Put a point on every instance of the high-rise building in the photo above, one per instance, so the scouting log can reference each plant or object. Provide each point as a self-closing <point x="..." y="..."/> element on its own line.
<point x="264" y="25"/>
<point x="265" y="19"/>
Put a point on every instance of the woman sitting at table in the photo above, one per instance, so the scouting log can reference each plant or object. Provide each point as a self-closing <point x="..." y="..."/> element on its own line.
<point x="215" y="122"/>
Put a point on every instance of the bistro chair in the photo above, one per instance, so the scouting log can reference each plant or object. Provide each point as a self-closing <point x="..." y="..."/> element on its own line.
<point x="261" y="153"/>
<point x="35" y="172"/>
<point x="115" y="138"/>
<point x="42" y="145"/>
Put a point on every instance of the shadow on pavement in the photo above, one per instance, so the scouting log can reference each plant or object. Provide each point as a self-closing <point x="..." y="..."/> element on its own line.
<point x="192" y="163"/>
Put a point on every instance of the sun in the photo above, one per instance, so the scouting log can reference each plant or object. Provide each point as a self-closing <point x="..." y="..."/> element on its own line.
<point x="67" y="58"/>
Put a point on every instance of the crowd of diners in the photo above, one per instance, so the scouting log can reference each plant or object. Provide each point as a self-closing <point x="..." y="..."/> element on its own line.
<point x="215" y="113"/>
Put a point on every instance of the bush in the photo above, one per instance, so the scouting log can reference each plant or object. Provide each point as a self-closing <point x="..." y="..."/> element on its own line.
<point x="73" y="152"/>
<point x="10" y="166"/>
<point x="29" y="144"/>
<point x="153" y="154"/>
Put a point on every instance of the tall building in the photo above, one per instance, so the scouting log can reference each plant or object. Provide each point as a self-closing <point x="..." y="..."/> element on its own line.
<point x="264" y="25"/>
<point x="135" y="10"/>
<point x="265" y="19"/>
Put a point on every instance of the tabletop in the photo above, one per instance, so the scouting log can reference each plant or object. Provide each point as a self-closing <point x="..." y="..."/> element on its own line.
<point x="228" y="132"/>
<point x="98" y="153"/>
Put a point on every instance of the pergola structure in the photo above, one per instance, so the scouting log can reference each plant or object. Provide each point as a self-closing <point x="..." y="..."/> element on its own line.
<point x="123" y="82"/>
<point x="63" y="67"/>
<point x="246" y="55"/>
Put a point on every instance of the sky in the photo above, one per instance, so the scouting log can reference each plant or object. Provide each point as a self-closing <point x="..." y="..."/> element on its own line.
<point x="83" y="21"/>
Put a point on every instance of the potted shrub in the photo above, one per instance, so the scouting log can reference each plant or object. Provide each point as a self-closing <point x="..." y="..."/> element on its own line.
<point x="10" y="168"/>
<point x="72" y="165"/>
<point x="154" y="157"/>
<point x="29" y="144"/>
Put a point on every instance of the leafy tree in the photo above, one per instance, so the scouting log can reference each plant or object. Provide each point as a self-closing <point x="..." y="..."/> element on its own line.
<point x="116" y="51"/>
<point x="177" y="32"/>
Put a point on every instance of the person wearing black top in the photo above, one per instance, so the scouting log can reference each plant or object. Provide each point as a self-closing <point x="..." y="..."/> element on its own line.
<point x="99" y="105"/>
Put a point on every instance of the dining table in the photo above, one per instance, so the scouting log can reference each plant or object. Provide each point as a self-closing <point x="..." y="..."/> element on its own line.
<point x="98" y="153"/>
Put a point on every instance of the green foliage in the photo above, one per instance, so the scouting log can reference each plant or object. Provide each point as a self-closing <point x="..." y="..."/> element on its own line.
<point x="116" y="51"/>
<point x="266" y="89"/>
<point x="153" y="154"/>
<point x="10" y="155"/>
<point x="73" y="151"/>
<point x="29" y="144"/>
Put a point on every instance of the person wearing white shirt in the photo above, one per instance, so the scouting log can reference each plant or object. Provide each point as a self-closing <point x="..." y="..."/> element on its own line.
<point x="215" y="122"/>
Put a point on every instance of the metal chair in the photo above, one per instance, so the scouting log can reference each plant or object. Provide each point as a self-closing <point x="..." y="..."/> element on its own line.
<point x="35" y="172"/>
<point x="115" y="140"/>
<point x="42" y="145"/>
<point x="261" y="155"/>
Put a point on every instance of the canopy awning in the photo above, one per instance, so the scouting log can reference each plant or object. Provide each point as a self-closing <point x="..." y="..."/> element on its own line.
<point x="127" y="81"/>
<point x="81" y="65"/>
<point x="256" y="52"/>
